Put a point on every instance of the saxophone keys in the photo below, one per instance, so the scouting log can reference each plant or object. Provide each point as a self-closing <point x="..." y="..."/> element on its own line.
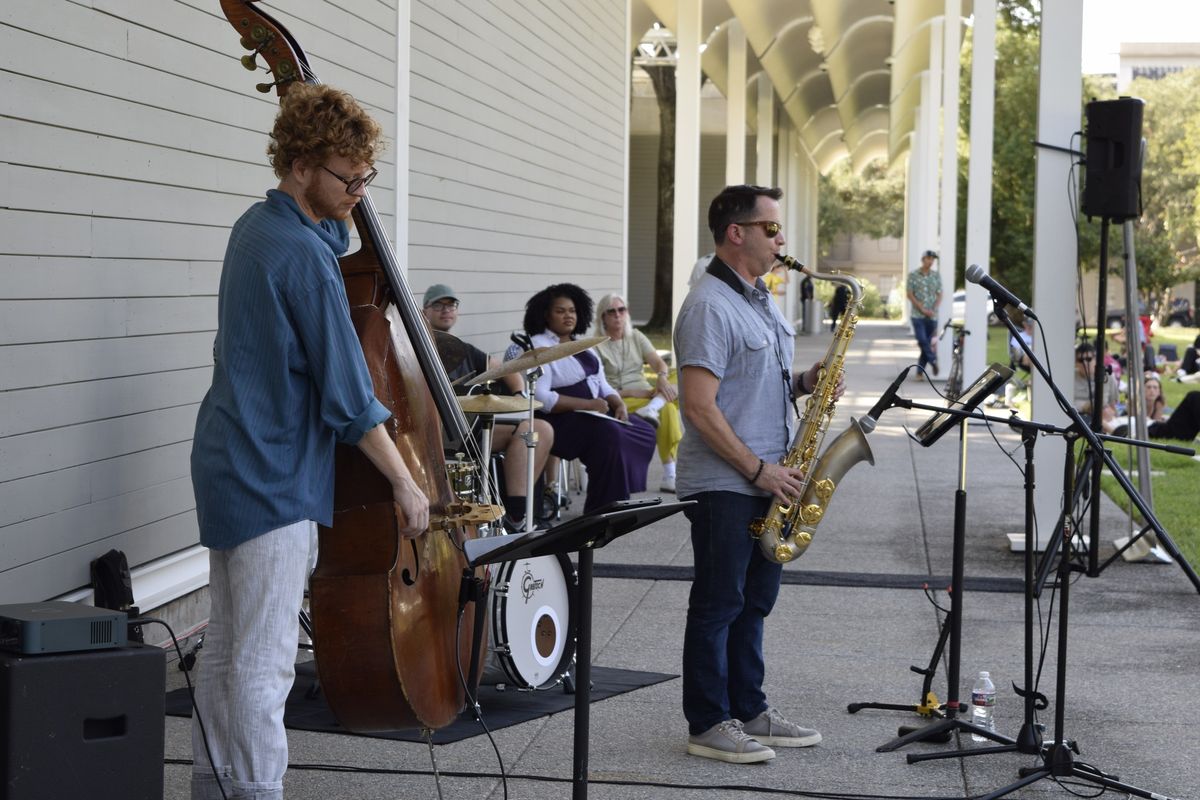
<point x="811" y="515"/>
<point x="824" y="490"/>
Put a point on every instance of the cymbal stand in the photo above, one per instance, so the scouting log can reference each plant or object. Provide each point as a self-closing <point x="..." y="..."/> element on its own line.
<point x="530" y="437"/>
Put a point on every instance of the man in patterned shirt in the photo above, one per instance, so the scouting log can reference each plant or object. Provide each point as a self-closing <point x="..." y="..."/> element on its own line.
<point x="925" y="294"/>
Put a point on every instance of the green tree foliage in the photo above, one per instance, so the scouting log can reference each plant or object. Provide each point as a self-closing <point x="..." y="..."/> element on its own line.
<point x="1013" y="157"/>
<point x="871" y="204"/>
<point x="1167" y="235"/>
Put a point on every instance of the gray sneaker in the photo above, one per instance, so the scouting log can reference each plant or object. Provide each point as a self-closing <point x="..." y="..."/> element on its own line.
<point x="771" y="727"/>
<point x="726" y="741"/>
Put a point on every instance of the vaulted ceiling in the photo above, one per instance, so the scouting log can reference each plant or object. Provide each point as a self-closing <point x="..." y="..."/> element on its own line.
<point x="846" y="72"/>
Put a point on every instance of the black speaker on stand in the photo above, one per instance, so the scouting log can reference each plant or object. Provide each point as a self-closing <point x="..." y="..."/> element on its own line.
<point x="82" y="724"/>
<point x="1113" y="172"/>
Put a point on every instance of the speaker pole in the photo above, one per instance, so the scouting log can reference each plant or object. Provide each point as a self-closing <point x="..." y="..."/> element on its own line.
<point x="1099" y="381"/>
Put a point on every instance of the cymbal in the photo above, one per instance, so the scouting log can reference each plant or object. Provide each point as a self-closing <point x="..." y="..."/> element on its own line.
<point x="536" y="357"/>
<point x="494" y="403"/>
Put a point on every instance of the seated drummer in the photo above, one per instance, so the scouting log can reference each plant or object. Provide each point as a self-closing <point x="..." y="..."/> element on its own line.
<point x="440" y="308"/>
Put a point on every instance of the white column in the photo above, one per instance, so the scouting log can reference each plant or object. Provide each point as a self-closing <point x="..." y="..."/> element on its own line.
<point x="1059" y="116"/>
<point x="400" y="137"/>
<point x="791" y="201"/>
<point x="735" y="106"/>
<point x="908" y="246"/>
<point x="948" y="224"/>
<point x="812" y="191"/>
<point x="687" y="149"/>
<point x="932" y="160"/>
<point x="979" y="180"/>
<point x="765" y="168"/>
<point x="912" y="191"/>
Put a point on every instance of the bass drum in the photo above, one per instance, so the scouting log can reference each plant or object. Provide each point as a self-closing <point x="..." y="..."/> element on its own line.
<point x="533" y="622"/>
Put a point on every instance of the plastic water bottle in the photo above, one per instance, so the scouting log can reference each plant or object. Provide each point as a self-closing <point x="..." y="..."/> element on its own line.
<point x="983" y="703"/>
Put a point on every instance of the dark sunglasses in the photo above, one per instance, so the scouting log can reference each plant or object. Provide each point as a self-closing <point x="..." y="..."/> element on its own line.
<point x="617" y="310"/>
<point x="354" y="184"/>
<point x="770" y="228"/>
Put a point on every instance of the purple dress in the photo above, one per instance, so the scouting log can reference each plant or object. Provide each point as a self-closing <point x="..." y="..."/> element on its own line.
<point x="616" y="456"/>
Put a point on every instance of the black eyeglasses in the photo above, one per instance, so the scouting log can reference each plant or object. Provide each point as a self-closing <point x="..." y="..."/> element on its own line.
<point x="354" y="184"/>
<point x="443" y="305"/>
<point x="770" y="227"/>
<point x="617" y="310"/>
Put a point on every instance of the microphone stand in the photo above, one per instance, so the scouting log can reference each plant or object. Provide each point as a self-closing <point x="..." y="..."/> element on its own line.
<point x="1029" y="739"/>
<point x="1057" y="757"/>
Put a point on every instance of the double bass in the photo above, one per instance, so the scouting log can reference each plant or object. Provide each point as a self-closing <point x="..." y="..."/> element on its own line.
<point x="390" y="650"/>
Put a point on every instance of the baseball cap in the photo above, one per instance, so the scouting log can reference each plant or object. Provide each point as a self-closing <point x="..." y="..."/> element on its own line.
<point x="929" y="254"/>
<point x="439" y="291"/>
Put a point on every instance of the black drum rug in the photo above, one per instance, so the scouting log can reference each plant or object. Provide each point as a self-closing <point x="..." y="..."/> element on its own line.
<point x="307" y="711"/>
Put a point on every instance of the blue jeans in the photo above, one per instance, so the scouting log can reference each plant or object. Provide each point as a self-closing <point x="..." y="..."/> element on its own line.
<point x="734" y="590"/>
<point x="924" y="329"/>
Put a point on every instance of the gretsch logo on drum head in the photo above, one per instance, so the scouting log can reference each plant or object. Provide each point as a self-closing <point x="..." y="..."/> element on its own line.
<point x="530" y="584"/>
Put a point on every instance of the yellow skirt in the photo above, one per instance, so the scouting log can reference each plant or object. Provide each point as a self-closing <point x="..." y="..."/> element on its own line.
<point x="670" y="426"/>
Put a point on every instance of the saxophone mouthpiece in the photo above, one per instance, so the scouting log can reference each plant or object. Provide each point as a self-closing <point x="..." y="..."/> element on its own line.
<point x="790" y="262"/>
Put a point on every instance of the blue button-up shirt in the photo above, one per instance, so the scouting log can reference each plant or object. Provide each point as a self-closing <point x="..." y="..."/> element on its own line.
<point x="742" y="338"/>
<point x="289" y="378"/>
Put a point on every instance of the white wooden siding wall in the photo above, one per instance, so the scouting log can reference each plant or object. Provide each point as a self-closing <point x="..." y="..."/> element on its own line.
<point x="132" y="140"/>
<point x="517" y="154"/>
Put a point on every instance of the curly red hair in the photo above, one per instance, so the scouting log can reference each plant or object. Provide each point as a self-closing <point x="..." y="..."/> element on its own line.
<point x="316" y="122"/>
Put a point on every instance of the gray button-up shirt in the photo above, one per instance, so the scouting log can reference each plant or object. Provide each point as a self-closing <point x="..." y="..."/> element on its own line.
<point x="744" y="340"/>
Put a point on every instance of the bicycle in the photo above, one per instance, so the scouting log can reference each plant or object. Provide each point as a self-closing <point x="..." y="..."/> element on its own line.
<point x="954" y="380"/>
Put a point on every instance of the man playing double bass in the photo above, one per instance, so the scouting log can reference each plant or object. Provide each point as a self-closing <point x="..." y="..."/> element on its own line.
<point x="289" y="381"/>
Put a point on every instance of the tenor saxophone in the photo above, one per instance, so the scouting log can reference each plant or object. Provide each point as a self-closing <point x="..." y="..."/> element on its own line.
<point x="787" y="529"/>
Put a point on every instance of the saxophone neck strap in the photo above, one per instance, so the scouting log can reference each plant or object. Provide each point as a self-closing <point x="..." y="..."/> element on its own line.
<point x="724" y="273"/>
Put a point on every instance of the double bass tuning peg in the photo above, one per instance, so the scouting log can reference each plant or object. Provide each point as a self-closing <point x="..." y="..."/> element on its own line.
<point x="248" y="61"/>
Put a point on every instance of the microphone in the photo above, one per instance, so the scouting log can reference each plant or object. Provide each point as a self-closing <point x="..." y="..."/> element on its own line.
<point x="867" y="423"/>
<point x="975" y="274"/>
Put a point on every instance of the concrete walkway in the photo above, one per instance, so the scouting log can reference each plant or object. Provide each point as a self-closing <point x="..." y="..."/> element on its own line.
<point x="1134" y="649"/>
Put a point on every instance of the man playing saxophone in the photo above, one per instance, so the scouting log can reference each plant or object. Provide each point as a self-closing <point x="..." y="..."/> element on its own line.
<point x="734" y="349"/>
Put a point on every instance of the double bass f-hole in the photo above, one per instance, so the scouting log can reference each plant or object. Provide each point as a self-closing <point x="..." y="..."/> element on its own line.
<point x="410" y="576"/>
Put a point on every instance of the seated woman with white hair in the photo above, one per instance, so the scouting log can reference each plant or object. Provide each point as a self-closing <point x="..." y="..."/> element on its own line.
<point x="625" y="355"/>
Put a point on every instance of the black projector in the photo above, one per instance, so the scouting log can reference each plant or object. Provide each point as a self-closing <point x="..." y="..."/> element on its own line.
<point x="59" y="627"/>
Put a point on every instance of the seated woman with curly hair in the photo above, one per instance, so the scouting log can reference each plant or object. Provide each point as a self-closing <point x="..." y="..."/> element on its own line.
<point x="625" y="354"/>
<point x="615" y="451"/>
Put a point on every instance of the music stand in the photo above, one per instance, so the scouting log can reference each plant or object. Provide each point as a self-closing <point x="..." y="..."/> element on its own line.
<point x="581" y="535"/>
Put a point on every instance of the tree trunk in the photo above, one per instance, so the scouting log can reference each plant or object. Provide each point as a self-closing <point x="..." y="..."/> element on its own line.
<point x="663" y="78"/>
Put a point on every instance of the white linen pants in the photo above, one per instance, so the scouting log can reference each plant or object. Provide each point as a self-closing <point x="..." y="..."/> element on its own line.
<point x="247" y="664"/>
